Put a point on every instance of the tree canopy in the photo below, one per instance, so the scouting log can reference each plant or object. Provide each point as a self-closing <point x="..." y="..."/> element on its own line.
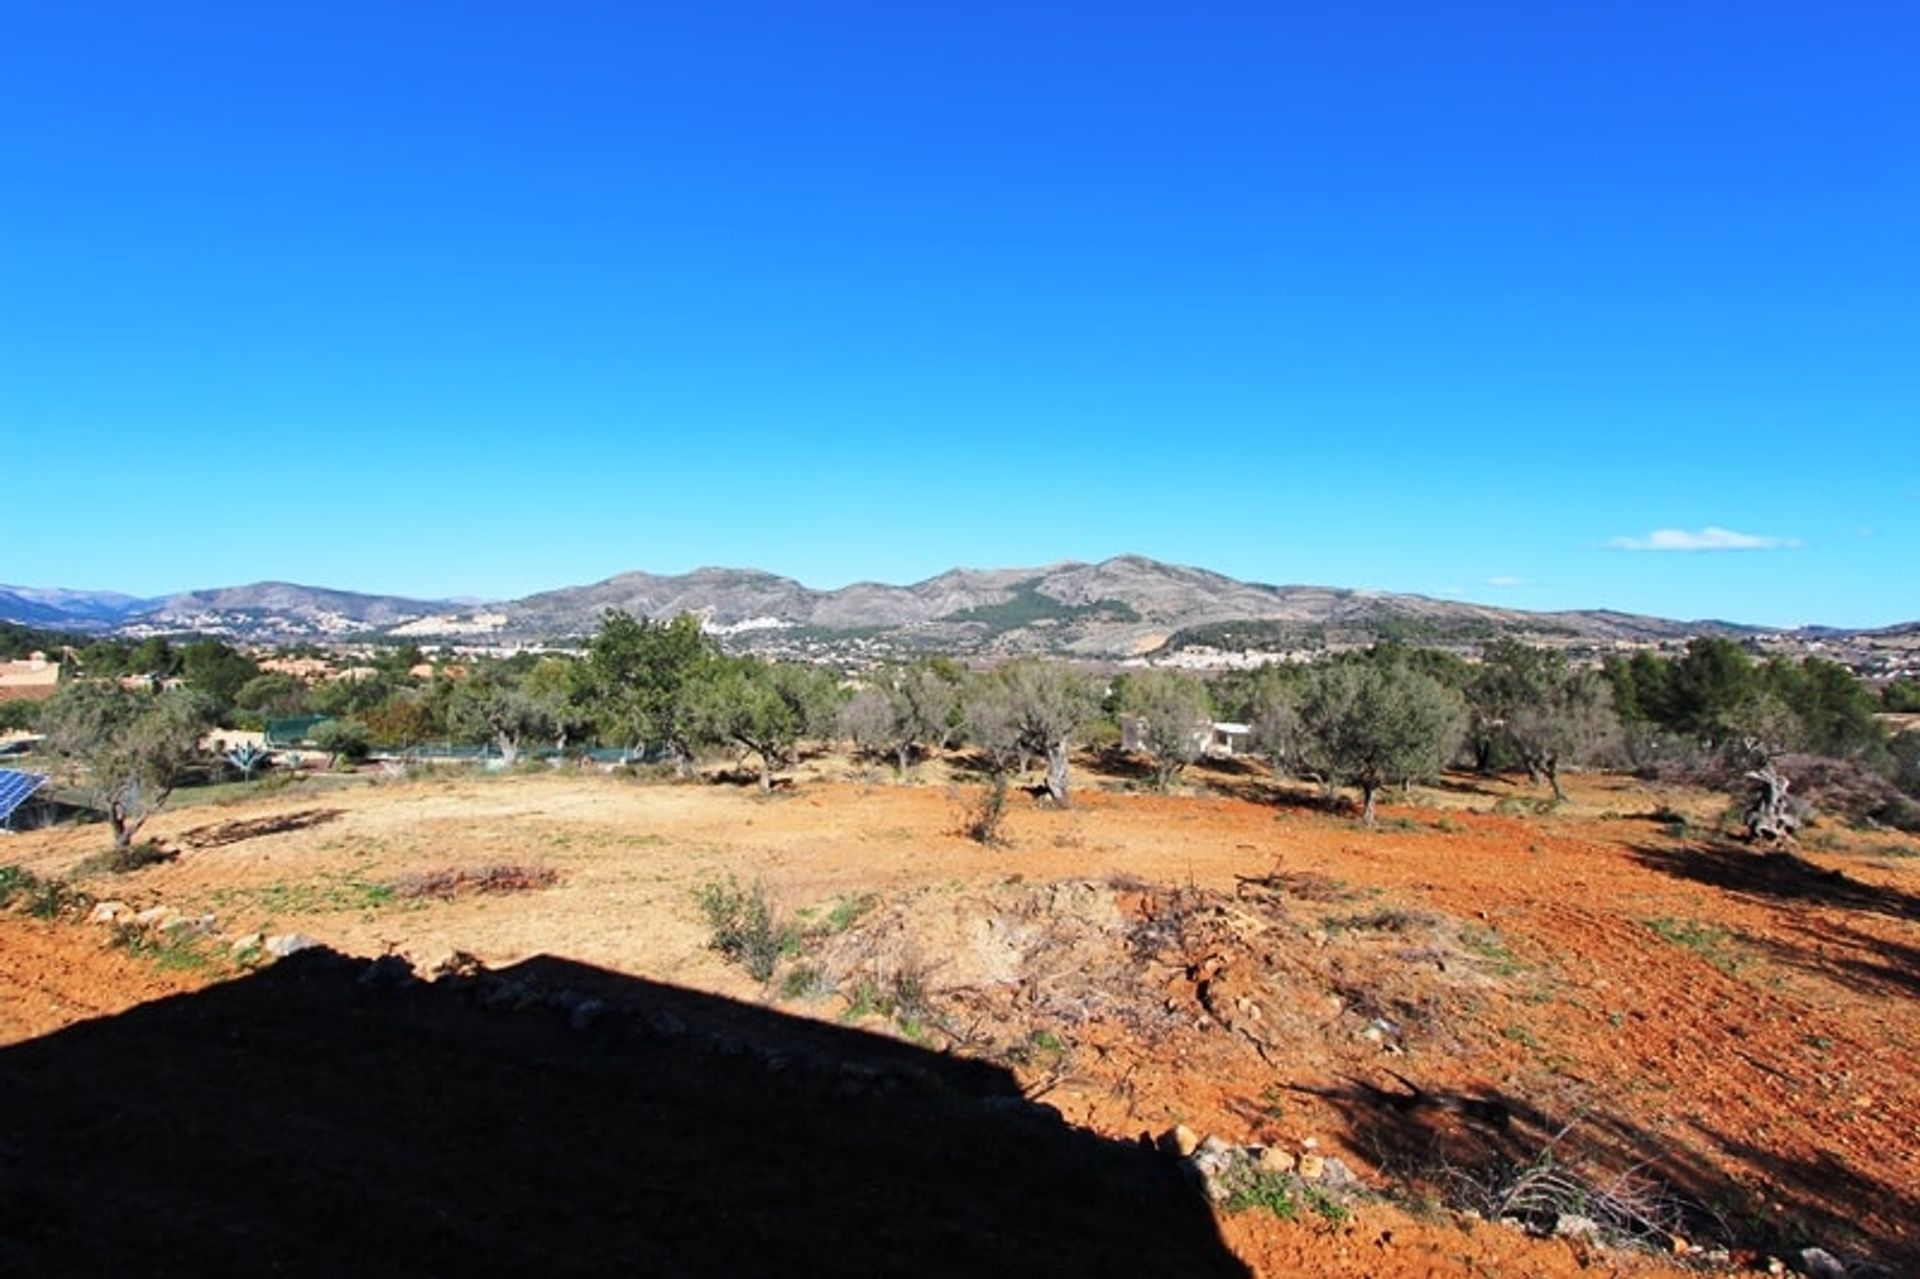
<point x="1034" y="708"/>
<point x="131" y="748"/>
<point x="1173" y="718"/>
<point x="1371" y="722"/>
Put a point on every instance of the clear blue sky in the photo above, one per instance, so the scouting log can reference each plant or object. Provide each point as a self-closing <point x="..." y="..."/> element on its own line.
<point x="478" y="299"/>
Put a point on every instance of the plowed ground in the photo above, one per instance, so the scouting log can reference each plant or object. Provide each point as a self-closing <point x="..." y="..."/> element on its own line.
<point x="1470" y="992"/>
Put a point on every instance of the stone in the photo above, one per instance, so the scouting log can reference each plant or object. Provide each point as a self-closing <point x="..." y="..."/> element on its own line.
<point x="1180" y="1140"/>
<point x="585" y="1013"/>
<point x="246" y="942"/>
<point x="1335" y="1174"/>
<point x="108" y="912"/>
<point x="665" y="1025"/>
<point x="1214" y="1146"/>
<point x="1312" y="1167"/>
<point x="281" y="945"/>
<point x="1311" y="1143"/>
<point x="193" y="924"/>
<point x="1274" y="1160"/>
<point x="1818" y="1263"/>
<point x="153" y="916"/>
<point x="1572" y="1225"/>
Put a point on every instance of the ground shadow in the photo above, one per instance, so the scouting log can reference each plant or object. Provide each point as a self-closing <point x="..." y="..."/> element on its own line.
<point x="1465" y="1148"/>
<point x="221" y="834"/>
<point x="1879" y="967"/>
<point x="1270" y="790"/>
<point x="332" y="1116"/>
<point x="1804" y="1181"/>
<point x="1778" y="876"/>
<point x="1469" y="784"/>
<point x="1117" y="765"/>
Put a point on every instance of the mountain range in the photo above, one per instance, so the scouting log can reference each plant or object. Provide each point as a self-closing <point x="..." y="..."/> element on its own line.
<point x="1129" y="605"/>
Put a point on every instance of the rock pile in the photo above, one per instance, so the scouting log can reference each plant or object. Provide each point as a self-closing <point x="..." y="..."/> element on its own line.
<point x="1224" y="1170"/>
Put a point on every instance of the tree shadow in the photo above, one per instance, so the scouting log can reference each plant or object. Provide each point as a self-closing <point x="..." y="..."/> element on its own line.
<point x="1115" y="764"/>
<point x="330" y="1115"/>
<point x="1879" y="967"/>
<point x="1467" y="784"/>
<point x="221" y="834"/>
<point x="1465" y="1147"/>
<point x="1271" y="791"/>
<point x="1875" y="1220"/>
<point x="1778" y="876"/>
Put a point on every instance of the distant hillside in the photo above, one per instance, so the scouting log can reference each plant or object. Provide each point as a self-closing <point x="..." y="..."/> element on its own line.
<point x="308" y="608"/>
<point x="1126" y="606"/>
<point x="31" y="606"/>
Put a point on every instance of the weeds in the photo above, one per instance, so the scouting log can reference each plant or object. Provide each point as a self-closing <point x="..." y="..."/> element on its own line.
<point x="903" y="994"/>
<point x="1628" y="1208"/>
<point x="174" y="951"/>
<point x="980" y="821"/>
<point x="1322" y="1202"/>
<point x="1385" y="919"/>
<point x="15" y="881"/>
<point x="1515" y="806"/>
<point x="911" y="990"/>
<point x="121" y="861"/>
<point x="1487" y="944"/>
<point x="41" y="898"/>
<point x="330" y="893"/>
<point x="1267" y="1191"/>
<point x="745" y="928"/>
<point x="1713" y="944"/>
<point x="806" y="982"/>
<point x="449" y="882"/>
<point x="866" y="1000"/>
<point x="846" y="912"/>
<point x="1520" y="1035"/>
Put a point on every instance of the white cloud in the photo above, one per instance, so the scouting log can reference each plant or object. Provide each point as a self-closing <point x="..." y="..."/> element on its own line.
<point x="1710" y="538"/>
<point x="1505" y="582"/>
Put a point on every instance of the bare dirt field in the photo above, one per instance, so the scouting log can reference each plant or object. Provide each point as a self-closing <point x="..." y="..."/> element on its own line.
<point x="1603" y="1010"/>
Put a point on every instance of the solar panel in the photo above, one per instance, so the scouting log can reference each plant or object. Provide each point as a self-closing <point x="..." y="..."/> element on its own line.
<point x="15" y="786"/>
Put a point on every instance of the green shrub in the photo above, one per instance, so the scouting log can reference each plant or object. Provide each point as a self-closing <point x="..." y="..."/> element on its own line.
<point x="745" y="927"/>
<point x="15" y="881"/>
<point x="1272" y="1191"/>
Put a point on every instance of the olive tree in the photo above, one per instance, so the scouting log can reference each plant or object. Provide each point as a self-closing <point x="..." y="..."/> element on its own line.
<point x="130" y="748"/>
<point x="1032" y="708"/>
<point x="764" y="707"/>
<point x="1172" y="718"/>
<point x="902" y="709"/>
<point x="1549" y="712"/>
<point x="1374" y="723"/>
<point x="491" y="706"/>
<point x="636" y="679"/>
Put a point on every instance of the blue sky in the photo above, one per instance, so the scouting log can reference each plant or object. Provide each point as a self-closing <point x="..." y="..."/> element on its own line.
<point x="1541" y="305"/>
